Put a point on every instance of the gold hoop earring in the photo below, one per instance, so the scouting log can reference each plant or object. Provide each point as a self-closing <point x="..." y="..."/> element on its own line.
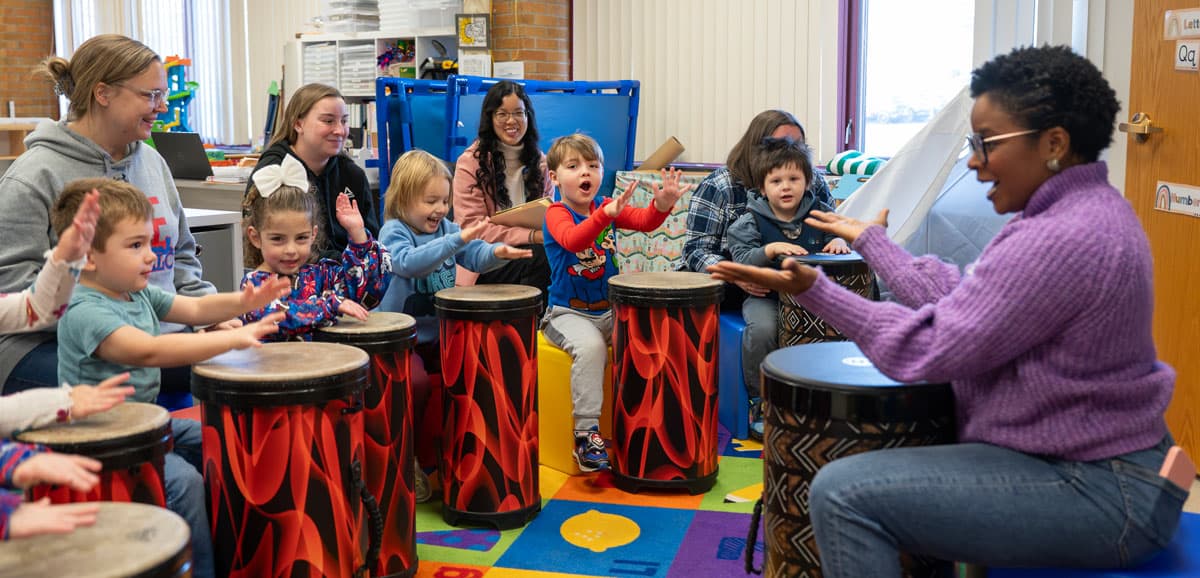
<point x="1053" y="165"/>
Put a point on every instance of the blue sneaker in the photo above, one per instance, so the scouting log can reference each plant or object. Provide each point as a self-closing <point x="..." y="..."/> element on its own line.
<point x="590" y="451"/>
<point x="756" y="419"/>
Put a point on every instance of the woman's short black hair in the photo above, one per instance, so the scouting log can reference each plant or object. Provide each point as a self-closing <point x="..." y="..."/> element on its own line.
<point x="1048" y="86"/>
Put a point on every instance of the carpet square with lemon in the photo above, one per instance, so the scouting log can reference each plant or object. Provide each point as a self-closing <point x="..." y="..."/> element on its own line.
<point x="588" y="527"/>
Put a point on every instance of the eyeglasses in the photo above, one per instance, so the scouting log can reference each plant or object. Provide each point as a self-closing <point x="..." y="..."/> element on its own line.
<point x="156" y="97"/>
<point x="504" y="115"/>
<point x="980" y="145"/>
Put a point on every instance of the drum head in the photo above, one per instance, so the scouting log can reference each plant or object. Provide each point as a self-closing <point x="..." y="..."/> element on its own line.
<point x="381" y="331"/>
<point x="128" y="539"/>
<point x="837" y="376"/>
<point x="664" y="288"/>
<point x="279" y="374"/>
<point x="126" y="420"/>
<point x="487" y="302"/>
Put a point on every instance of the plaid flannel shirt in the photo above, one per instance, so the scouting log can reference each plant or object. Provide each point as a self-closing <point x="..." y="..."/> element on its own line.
<point x="716" y="203"/>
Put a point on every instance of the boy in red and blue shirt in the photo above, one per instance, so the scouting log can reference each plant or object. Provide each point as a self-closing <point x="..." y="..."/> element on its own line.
<point x="580" y="248"/>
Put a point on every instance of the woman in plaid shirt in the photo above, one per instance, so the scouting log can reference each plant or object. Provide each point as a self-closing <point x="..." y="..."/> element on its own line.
<point x="721" y="198"/>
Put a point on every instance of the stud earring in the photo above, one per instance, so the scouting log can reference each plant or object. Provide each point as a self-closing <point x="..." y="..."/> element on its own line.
<point x="1053" y="165"/>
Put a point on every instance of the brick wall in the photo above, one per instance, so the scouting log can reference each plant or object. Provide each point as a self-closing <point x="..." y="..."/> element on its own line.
<point x="26" y="37"/>
<point x="537" y="32"/>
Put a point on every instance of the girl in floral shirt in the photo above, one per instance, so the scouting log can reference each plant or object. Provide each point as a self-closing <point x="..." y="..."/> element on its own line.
<point x="281" y="217"/>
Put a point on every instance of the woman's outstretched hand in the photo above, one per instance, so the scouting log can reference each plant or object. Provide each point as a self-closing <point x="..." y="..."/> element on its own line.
<point x="794" y="277"/>
<point x="845" y="227"/>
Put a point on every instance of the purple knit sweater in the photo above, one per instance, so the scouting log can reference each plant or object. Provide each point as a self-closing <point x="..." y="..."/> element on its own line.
<point x="1046" y="338"/>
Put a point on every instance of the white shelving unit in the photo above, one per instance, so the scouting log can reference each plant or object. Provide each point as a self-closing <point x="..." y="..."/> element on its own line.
<point x="348" y="61"/>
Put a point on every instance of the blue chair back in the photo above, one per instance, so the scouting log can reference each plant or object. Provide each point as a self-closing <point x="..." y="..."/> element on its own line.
<point x="606" y="111"/>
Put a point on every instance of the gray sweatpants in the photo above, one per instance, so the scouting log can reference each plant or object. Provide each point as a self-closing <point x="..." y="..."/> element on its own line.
<point x="586" y="339"/>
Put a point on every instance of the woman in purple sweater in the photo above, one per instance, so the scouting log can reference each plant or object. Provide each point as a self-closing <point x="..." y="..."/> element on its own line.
<point x="1046" y="340"/>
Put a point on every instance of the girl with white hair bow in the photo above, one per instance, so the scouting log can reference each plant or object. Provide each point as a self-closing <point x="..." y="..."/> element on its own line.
<point x="280" y="216"/>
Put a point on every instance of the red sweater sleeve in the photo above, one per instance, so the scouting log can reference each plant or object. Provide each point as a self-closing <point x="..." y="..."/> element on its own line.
<point x="567" y="234"/>
<point x="645" y="219"/>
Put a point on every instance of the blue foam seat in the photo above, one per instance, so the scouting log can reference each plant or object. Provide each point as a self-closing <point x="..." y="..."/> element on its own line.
<point x="1179" y="560"/>
<point x="733" y="404"/>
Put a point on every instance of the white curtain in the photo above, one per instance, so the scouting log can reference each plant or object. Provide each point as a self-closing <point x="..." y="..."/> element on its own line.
<point x="191" y="29"/>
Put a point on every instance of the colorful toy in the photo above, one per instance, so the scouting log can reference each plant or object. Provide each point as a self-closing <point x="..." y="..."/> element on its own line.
<point x="398" y="59"/>
<point x="179" y="95"/>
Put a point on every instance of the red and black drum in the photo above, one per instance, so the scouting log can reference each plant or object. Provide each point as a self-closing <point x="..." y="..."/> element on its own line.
<point x="388" y="425"/>
<point x="489" y="465"/>
<point x="127" y="540"/>
<point x="823" y="401"/>
<point x="131" y="441"/>
<point x="283" y="454"/>
<point x="665" y="335"/>
<point x="797" y="325"/>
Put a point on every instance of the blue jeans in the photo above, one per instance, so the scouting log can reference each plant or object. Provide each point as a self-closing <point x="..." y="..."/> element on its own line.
<point x="185" y="492"/>
<point x="760" y="337"/>
<point x="39" y="368"/>
<point x="991" y="506"/>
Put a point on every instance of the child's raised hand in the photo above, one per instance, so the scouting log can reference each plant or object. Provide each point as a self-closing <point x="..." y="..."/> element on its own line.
<point x="42" y="517"/>
<point x="780" y="249"/>
<point x="348" y="307"/>
<point x="837" y="247"/>
<point x="252" y="335"/>
<point x="75" y="242"/>
<point x="87" y="400"/>
<point x="510" y="252"/>
<point x="669" y="192"/>
<point x="256" y="297"/>
<point x="76" y="472"/>
<point x="350" y="219"/>
<point x="473" y="231"/>
<point x="621" y="199"/>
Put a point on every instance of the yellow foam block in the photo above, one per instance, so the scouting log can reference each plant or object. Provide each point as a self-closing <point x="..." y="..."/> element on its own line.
<point x="556" y="421"/>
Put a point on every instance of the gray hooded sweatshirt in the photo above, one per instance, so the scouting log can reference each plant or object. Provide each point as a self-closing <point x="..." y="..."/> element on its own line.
<point x="57" y="155"/>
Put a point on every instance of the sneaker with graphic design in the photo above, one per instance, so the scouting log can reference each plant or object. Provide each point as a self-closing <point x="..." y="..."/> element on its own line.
<point x="756" y="419"/>
<point x="422" y="490"/>
<point x="590" y="451"/>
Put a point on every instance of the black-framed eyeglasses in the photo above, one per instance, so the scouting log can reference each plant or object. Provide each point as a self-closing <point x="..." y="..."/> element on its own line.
<point x="504" y="115"/>
<point x="980" y="145"/>
<point x="156" y="97"/>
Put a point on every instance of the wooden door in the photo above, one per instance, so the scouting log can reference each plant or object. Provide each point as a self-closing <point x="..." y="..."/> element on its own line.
<point x="1169" y="98"/>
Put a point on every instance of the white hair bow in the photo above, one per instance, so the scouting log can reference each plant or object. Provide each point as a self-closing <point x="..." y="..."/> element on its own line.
<point x="290" y="172"/>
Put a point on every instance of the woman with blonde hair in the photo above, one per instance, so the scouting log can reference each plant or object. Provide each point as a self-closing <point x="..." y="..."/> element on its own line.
<point x="314" y="129"/>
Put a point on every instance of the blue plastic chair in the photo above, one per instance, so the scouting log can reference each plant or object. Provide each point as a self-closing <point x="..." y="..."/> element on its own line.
<point x="733" y="404"/>
<point x="1181" y="559"/>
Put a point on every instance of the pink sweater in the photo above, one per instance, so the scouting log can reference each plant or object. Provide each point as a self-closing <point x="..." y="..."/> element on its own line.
<point x="471" y="204"/>
<point x="1046" y="339"/>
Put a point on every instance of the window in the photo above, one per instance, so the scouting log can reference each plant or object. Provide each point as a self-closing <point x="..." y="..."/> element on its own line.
<point x="904" y="60"/>
<point x="191" y="29"/>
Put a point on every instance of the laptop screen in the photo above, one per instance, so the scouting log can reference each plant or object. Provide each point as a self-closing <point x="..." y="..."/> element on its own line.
<point x="184" y="153"/>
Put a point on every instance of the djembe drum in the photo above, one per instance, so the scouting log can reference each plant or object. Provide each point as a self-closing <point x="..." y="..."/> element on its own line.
<point x="127" y="540"/>
<point x="283" y="454"/>
<point x="388" y="425"/>
<point x="665" y="330"/>
<point x="131" y="442"/>
<point x="489" y="465"/>
<point x="823" y="401"/>
<point x="797" y="325"/>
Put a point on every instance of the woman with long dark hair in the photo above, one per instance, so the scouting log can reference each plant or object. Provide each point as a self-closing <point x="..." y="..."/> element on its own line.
<point x="504" y="168"/>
